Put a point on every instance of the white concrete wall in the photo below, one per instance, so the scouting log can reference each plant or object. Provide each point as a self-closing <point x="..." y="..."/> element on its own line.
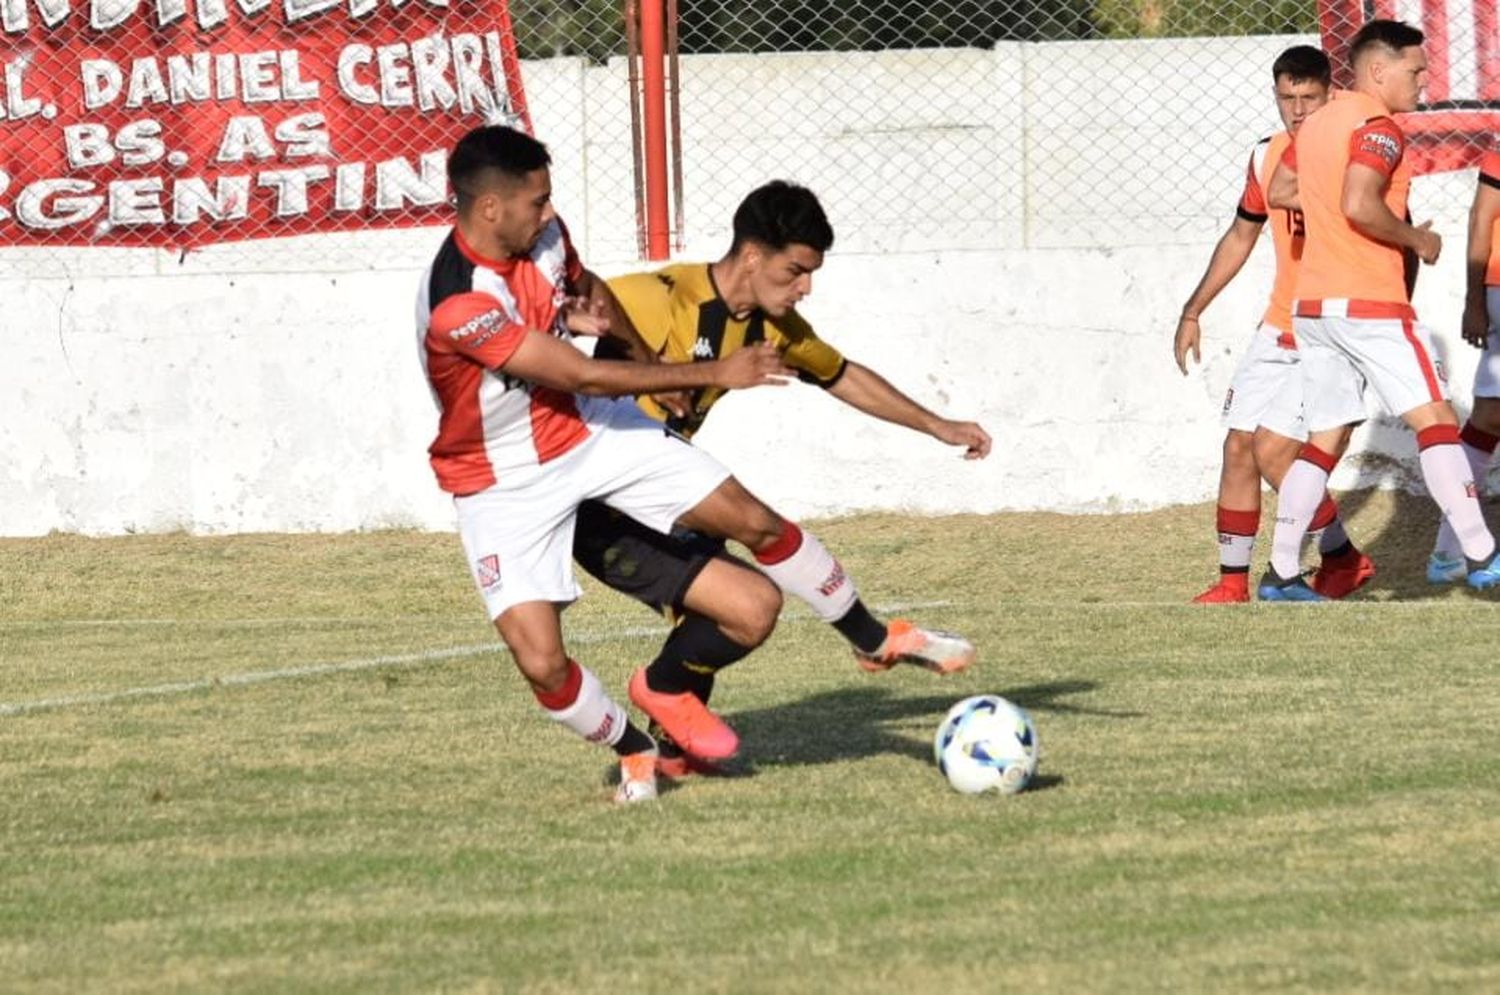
<point x="275" y="386"/>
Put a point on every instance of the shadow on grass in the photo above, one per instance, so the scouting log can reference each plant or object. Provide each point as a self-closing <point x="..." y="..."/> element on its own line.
<point x="851" y="723"/>
<point x="1400" y="545"/>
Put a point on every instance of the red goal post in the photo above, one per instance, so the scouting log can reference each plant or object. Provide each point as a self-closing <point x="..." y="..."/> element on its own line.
<point x="167" y="123"/>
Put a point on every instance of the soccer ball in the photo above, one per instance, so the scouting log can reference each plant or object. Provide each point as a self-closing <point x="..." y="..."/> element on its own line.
<point x="985" y="743"/>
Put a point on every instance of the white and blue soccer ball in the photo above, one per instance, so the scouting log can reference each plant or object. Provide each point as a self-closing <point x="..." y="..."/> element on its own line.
<point x="986" y="743"/>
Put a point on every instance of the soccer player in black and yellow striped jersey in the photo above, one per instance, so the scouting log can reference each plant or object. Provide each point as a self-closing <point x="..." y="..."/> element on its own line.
<point x="694" y="312"/>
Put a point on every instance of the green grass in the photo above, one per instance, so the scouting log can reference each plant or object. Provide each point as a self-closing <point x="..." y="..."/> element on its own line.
<point x="1248" y="798"/>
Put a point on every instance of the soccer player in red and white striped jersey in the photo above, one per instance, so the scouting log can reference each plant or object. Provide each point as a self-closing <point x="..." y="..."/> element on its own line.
<point x="530" y="427"/>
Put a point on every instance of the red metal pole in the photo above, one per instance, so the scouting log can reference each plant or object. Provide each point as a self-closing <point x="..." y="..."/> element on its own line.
<point x="654" y="86"/>
<point x="638" y="181"/>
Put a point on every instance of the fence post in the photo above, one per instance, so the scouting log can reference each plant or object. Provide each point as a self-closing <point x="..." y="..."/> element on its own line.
<point x="654" y="115"/>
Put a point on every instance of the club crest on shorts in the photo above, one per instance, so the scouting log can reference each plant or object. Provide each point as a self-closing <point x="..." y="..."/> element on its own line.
<point x="487" y="571"/>
<point x="1228" y="400"/>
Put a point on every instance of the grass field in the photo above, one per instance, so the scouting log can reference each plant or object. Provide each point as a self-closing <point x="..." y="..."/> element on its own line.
<point x="272" y="763"/>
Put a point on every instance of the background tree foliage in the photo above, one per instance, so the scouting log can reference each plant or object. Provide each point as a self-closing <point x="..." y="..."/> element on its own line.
<point x="595" y="28"/>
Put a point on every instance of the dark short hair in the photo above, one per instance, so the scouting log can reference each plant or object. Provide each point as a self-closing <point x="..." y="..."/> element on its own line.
<point x="781" y="214"/>
<point x="1390" y="35"/>
<point x="1303" y="62"/>
<point x="492" y="152"/>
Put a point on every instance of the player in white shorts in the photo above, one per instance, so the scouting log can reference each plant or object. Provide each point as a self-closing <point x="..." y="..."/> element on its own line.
<point x="1349" y="175"/>
<point x="1262" y="412"/>
<point x="519" y="446"/>
<point x="1481" y="328"/>
<point x="1266" y="389"/>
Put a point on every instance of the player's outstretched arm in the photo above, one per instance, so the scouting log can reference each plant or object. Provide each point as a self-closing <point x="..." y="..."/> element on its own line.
<point x="1482" y="215"/>
<point x="1228" y="258"/>
<point x="546" y="360"/>
<point x="862" y="388"/>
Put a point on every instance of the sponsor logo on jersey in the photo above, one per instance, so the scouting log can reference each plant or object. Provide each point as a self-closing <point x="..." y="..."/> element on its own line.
<point x="703" y="349"/>
<point x="1379" y="143"/>
<point x="487" y="571"/>
<point x="482" y="327"/>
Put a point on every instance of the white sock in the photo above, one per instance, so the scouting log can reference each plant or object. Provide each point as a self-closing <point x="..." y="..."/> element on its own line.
<point x="1237" y="530"/>
<point x="583" y="706"/>
<point x="1301" y="492"/>
<point x="801" y="565"/>
<point x="1450" y="481"/>
<point x="1447" y="545"/>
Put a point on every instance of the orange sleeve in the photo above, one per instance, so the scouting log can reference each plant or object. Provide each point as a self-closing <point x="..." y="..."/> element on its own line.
<point x="1379" y="144"/>
<point x="475" y="326"/>
<point x="1252" y="206"/>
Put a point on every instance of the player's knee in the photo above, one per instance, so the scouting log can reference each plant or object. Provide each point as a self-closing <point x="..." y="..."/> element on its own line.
<point x="1239" y="450"/>
<point x="762" y="608"/>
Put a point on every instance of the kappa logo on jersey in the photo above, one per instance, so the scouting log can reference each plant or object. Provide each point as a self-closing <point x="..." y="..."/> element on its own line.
<point x="835" y="580"/>
<point x="703" y="349"/>
<point x="487" y="571"/>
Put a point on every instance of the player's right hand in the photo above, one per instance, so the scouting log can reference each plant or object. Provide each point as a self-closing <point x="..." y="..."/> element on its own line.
<point x="1476" y="326"/>
<point x="1429" y="243"/>
<point x="1188" y="334"/>
<point x="753" y="366"/>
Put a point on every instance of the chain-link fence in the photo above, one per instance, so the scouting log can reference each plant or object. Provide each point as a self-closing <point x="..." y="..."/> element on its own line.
<point x="922" y="123"/>
<point x="959" y="124"/>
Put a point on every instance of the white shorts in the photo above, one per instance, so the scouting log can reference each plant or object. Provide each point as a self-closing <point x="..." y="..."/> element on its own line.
<point x="1342" y="356"/>
<point x="1267" y="388"/>
<point x="1487" y="374"/>
<point x="518" y="533"/>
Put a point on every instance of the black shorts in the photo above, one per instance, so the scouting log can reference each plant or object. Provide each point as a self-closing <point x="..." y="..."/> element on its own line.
<point x="625" y="555"/>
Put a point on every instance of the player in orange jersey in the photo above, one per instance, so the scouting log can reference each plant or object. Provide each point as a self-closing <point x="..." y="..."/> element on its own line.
<point x="1263" y="409"/>
<point x="1353" y="317"/>
<point x="1481" y="328"/>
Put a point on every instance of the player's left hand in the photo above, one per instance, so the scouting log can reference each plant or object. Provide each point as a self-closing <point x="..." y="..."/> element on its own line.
<point x="1476" y="326"/>
<point x="975" y="440"/>
<point x="678" y="403"/>
<point x="1185" y="341"/>
<point x="583" y="316"/>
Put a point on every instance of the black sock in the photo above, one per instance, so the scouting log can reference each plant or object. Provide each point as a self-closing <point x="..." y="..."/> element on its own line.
<point x="695" y="651"/>
<point x="634" y="741"/>
<point x="861" y="628"/>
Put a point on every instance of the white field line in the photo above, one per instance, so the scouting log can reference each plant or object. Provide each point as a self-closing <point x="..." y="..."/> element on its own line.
<point x="247" y="678"/>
